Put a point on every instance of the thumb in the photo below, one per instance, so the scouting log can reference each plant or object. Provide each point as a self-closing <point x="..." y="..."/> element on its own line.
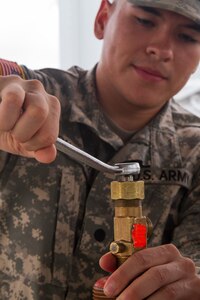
<point x="46" y="155"/>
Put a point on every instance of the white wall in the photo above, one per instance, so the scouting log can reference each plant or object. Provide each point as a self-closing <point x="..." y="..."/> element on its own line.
<point x="29" y="31"/>
<point x="78" y="45"/>
<point x="54" y="33"/>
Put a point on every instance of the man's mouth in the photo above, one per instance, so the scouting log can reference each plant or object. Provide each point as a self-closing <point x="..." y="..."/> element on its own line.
<point x="150" y="73"/>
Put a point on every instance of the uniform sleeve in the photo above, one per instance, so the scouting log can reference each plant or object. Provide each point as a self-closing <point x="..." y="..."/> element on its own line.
<point x="11" y="68"/>
<point x="187" y="234"/>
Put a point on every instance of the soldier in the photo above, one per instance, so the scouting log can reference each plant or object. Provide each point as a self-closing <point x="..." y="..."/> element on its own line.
<point x="55" y="213"/>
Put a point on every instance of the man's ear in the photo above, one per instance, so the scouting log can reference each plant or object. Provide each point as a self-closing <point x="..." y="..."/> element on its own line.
<point x="101" y="19"/>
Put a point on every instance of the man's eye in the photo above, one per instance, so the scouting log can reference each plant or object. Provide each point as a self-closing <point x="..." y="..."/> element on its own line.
<point x="145" y="22"/>
<point x="187" y="38"/>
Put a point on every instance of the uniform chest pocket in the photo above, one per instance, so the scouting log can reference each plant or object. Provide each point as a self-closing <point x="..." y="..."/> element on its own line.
<point x="39" y="215"/>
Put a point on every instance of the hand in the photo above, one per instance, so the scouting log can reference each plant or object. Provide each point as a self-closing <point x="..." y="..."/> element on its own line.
<point x="153" y="274"/>
<point x="29" y="119"/>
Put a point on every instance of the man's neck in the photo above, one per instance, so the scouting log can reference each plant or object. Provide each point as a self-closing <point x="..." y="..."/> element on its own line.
<point x="125" y="115"/>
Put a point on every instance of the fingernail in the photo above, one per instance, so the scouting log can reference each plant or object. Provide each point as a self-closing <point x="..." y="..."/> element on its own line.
<point x="110" y="289"/>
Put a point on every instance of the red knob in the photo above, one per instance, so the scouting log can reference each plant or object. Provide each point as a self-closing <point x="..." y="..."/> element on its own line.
<point x="139" y="236"/>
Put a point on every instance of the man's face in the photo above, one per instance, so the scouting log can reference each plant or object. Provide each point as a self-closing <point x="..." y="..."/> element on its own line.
<point x="148" y="54"/>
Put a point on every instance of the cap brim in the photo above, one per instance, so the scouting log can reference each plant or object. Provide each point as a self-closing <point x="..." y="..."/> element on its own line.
<point x="187" y="8"/>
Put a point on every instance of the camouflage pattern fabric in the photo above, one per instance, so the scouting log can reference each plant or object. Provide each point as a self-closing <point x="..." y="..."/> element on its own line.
<point x="187" y="8"/>
<point x="56" y="220"/>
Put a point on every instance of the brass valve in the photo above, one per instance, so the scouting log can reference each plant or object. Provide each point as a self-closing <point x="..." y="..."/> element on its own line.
<point x="131" y="228"/>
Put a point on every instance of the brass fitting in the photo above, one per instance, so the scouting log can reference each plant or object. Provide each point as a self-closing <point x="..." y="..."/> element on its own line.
<point x="131" y="228"/>
<point x="127" y="190"/>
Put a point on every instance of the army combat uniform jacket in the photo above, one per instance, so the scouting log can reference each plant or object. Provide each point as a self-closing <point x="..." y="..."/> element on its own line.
<point x="56" y="220"/>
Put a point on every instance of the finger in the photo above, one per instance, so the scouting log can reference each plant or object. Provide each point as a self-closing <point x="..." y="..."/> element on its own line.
<point x="153" y="280"/>
<point x="35" y="112"/>
<point x="9" y="144"/>
<point x="12" y="99"/>
<point x="46" y="155"/>
<point x="179" y="290"/>
<point x="108" y="262"/>
<point x="138" y="264"/>
<point x="48" y="132"/>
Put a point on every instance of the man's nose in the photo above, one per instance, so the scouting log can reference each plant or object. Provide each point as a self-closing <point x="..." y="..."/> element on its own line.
<point x="161" y="48"/>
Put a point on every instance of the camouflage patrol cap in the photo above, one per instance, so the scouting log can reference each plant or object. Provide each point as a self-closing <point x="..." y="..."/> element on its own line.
<point x="187" y="8"/>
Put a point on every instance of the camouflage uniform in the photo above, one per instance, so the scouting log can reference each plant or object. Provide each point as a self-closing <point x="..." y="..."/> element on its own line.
<point x="56" y="220"/>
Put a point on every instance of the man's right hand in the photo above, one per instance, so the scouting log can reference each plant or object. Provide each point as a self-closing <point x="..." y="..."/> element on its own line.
<point x="29" y="119"/>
